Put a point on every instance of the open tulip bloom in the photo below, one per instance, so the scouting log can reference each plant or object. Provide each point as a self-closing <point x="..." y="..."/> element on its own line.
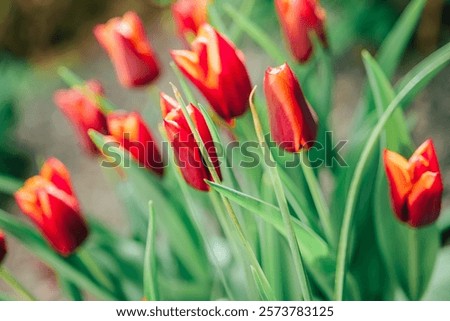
<point x="236" y="188"/>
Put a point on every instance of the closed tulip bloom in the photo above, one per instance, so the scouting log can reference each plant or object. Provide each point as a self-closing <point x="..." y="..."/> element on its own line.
<point x="189" y="15"/>
<point x="3" y="249"/>
<point x="131" y="132"/>
<point x="298" y="19"/>
<point x="415" y="184"/>
<point x="217" y="69"/>
<point x="82" y="110"/>
<point x="293" y="123"/>
<point x="126" y="43"/>
<point x="186" y="150"/>
<point x="49" y="201"/>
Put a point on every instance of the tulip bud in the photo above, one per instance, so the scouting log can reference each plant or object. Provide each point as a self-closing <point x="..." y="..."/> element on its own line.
<point x="131" y="132"/>
<point x="126" y="43"/>
<point x="189" y="15"/>
<point x="49" y="201"/>
<point x="415" y="184"/>
<point x="3" y="249"/>
<point x="82" y="111"/>
<point x="293" y="123"/>
<point x="298" y="19"/>
<point x="217" y="69"/>
<point x="186" y="150"/>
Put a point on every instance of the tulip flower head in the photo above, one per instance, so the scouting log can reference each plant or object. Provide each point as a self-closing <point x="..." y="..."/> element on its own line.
<point x="415" y="184"/>
<point x="189" y="15"/>
<point x="187" y="152"/>
<point x="3" y="249"/>
<point x="217" y="69"/>
<point x="82" y="110"/>
<point x="126" y="43"/>
<point x="131" y="132"/>
<point x="298" y="19"/>
<point x="49" y="201"/>
<point x="293" y="123"/>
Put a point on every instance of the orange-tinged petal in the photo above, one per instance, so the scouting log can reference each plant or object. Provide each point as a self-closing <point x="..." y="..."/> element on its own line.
<point x="399" y="181"/>
<point x="424" y="159"/>
<point x="424" y="201"/>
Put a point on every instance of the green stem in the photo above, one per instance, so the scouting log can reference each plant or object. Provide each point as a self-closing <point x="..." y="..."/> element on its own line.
<point x="284" y="209"/>
<point x="226" y="202"/>
<point x="14" y="284"/>
<point x="413" y="272"/>
<point x="150" y="272"/>
<point x="341" y="260"/>
<point x="318" y="197"/>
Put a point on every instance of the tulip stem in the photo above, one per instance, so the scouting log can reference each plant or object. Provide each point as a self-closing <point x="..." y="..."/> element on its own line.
<point x="251" y="254"/>
<point x="318" y="197"/>
<point x="413" y="273"/>
<point x="284" y="209"/>
<point x="14" y="284"/>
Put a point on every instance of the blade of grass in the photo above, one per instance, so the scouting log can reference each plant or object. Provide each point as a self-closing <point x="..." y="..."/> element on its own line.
<point x="341" y="261"/>
<point x="9" y="185"/>
<point x="150" y="268"/>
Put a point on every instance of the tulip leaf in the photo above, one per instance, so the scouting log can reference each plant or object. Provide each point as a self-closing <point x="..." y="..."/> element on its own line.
<point x="440" y="281"/>
<point x="150" y="269"/>
<point x="396" y="130"/>
<point x="436" y="61"/>
<point x="313" y="246"/>
<point x="393" y="47"/>
<point x="145" y="186"/>
<point x="63" y="266"/>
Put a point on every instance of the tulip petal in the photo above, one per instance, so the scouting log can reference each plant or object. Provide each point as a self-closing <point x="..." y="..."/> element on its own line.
<point x="399" y="182"/>
<point x="424" y="202"/>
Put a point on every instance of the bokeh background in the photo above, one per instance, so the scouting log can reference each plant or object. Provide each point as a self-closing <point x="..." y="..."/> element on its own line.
<point x="37" y="36"/>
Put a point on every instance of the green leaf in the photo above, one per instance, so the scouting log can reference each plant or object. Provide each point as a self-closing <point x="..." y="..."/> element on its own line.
<point x="436" y="61"/>
<point x="396" y="129"/>
<point x="314" y="247"/>
<point x="440" y="282"/>
<point x="393" y="47"/>
<point x="259" y="284"/>
<point x="145" y="187"/>
<point x="150" y="268"/>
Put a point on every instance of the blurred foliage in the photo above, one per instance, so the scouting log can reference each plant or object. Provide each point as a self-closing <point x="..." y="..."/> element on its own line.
<point x="13" y="160"/>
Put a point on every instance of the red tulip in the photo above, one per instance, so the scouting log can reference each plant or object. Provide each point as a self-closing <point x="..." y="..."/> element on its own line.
<point x="298" y="19"/>
<point x="415" y="184"/>
<point x="82" y="111"/>
<point x="3" y="249"/>
<point x="189" y="15"/>
<point x="187" y="152"/>
<point x="130" y="130"/>
<point x="126" y="43"/>
<point x="217" y="69"/>
<point x="49" y="201"/>
<point x="293" y="123"/>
